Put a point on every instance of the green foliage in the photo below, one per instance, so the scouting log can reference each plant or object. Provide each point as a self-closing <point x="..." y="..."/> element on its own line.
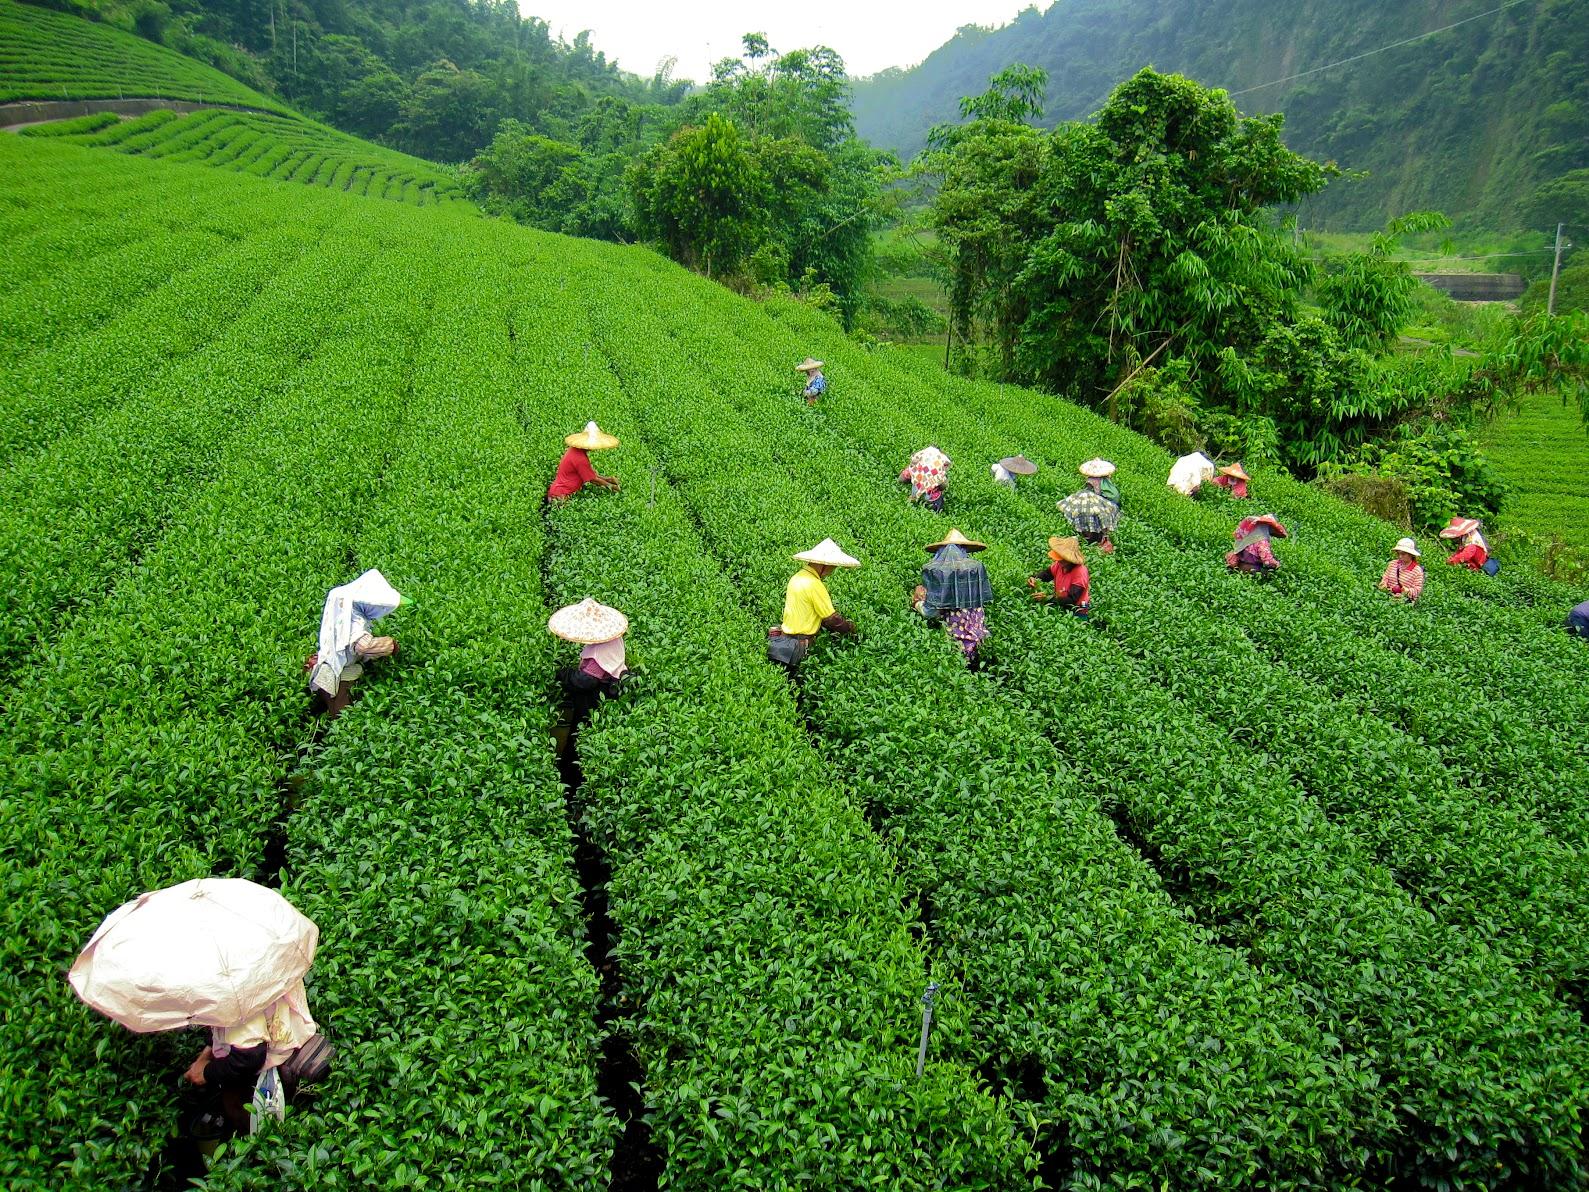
<point x="1442" y="471"/>
<point x="49" y="55"/>
<point x="267" y="146"/>
<point x="1467" y="122"/>
<point x="702" y="195"/>
<point x="1368" y="296"/>
<point x="769" y="172"/>
<point x="531" y="178"/>
<point x="1219" y="887"/>
<point x="1572" y="288"/>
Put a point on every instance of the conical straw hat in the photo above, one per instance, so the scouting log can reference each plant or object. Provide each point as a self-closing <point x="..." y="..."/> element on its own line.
<point x="1460" y="527"/>
<point x="1018" y="465"/>
<point x="1068" y="549"/>
<point x="809" y="365"/>
<point x="1235" y="472"/>
<point x="956" y="538"/>
<point x="1097" y="469"/>
<point x="1269" y="519"/>
<point x="588" y="623"/>
<point x="827" y="553"/>
<point x="592" y="438"/>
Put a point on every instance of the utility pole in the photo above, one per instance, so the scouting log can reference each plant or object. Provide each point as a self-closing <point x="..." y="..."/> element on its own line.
<point x="1555" y="270"/>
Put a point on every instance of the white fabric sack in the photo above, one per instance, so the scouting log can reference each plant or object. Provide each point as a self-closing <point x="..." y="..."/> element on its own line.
<point x="270" y="1100"/>
<point x="1191" y="472"/>
<point x="349" y="611"/>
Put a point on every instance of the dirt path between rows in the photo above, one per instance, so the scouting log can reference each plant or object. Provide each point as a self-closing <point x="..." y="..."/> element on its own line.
<point x="26" y="112"/>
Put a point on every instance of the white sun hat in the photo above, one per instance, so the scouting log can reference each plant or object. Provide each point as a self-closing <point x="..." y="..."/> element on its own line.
<point x="589" y="623"/>
<point x="592" y="438"/>
<point x="1408" y="547"/>
<point x="1097" y="469"/>
<point x="827" y="554"/>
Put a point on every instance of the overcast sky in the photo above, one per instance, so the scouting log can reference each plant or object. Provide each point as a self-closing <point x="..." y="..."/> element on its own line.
<point x="869" y="34"/>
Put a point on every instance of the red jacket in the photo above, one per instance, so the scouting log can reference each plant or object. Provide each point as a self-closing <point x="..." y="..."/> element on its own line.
<point x="573" y="473"/>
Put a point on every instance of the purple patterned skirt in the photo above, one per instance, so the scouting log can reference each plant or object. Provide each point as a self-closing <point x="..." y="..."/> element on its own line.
<point x="968" y="627"/>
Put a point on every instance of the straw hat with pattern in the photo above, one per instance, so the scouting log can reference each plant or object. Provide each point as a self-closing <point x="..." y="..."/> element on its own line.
<point x="588" y="623"/>
<point x="956" y="538"/>
<point x="1068" y="549"/>
<point x="1460" y="527"/>
<point x="592" y="438"/>
<point x="1097" y="469"/>
<point x="827" y="554"/>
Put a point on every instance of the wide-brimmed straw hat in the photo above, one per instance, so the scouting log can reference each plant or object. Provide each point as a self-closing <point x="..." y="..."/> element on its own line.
<point x="1068" y="549"/>
<point x="1407" y="546"/>
<point x="808" y="365"/>
<point x="592" y="438"/>
<point x="1234" y="471"/>
<point x="1460" y="527"/>
<point x="1018" y="465"/>
<point x="1096" y="469"/>
<point x="956" y="538"/>
<point x="1269" y="519"/>
<point x="827" y="554"/>
<point x="588" y="623"/>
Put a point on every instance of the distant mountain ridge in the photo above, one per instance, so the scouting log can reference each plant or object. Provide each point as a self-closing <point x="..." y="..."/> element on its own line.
<point x="1469" y="121"/>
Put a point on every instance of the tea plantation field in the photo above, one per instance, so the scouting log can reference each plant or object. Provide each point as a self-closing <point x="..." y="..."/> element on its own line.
<point x="50" y="56"/>
<point x="1274" y="885"/>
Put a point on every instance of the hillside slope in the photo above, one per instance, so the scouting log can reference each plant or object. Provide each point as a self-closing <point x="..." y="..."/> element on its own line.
<point x="1232" y="883"/>
<point x="47" y="55"/>
<point x="50" y="56"/>
<point x="1468" y="122"/>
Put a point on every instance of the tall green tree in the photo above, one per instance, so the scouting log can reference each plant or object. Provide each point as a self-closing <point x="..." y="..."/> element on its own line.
<point x="702" y="195"/>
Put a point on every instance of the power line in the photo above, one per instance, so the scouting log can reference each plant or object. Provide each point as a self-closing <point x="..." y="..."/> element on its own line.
<point x="1406" y="41"/>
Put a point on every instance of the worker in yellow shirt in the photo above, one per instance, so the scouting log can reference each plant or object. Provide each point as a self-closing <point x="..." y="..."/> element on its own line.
<point x="807" y="607"/>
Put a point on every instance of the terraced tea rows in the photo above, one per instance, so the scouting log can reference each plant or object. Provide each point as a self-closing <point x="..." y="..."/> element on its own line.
<point x="288" y="150"/>
<point x="1229" y="886"/>
<point x="50" y="55"/>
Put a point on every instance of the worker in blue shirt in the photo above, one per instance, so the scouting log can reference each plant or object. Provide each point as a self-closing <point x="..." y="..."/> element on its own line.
<point x="816" y="383"/>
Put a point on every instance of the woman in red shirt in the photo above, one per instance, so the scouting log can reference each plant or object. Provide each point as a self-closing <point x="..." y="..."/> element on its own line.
<point x="574" y="471"/>
<point x="1474" y="552"/>
<point x="1067" y="569"/>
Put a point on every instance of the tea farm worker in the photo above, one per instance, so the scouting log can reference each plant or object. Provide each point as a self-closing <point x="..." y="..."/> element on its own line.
<point x="1232" y="477"/>
<point x="346" y="642"/>
<point x="1473" y="551"/>
<point x="954" y="591"/>
<point x="1578" y="620"/>
<point x="927" y="473"/>
<point x="816" y="383"/>
<point x="1253" y="553"/>
<point x="237" y="1054"/>
<point x="574" y="471"/>
<point x="1190" y="473"/>
<point x="600" y="630"/>
<point x="1011" y="466"/>
<point x="807" y="607"/>
<point x="1094" y="510"/>
<point x="1067" y="571"/>
<point x="1403" y="576"/>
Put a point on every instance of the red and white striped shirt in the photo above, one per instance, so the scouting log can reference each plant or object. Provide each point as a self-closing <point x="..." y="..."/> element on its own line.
<point x="1401" y="580"/>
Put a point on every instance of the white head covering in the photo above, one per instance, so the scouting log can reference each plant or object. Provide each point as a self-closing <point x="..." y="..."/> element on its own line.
<point x="348" y="613"/>
<point x="1190" y="473"/>
<point x="1407" y="546"/>
<point x="608" y="655"/>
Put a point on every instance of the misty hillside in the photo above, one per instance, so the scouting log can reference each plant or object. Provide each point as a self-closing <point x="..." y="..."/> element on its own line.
<point x="1469" y="121"/>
